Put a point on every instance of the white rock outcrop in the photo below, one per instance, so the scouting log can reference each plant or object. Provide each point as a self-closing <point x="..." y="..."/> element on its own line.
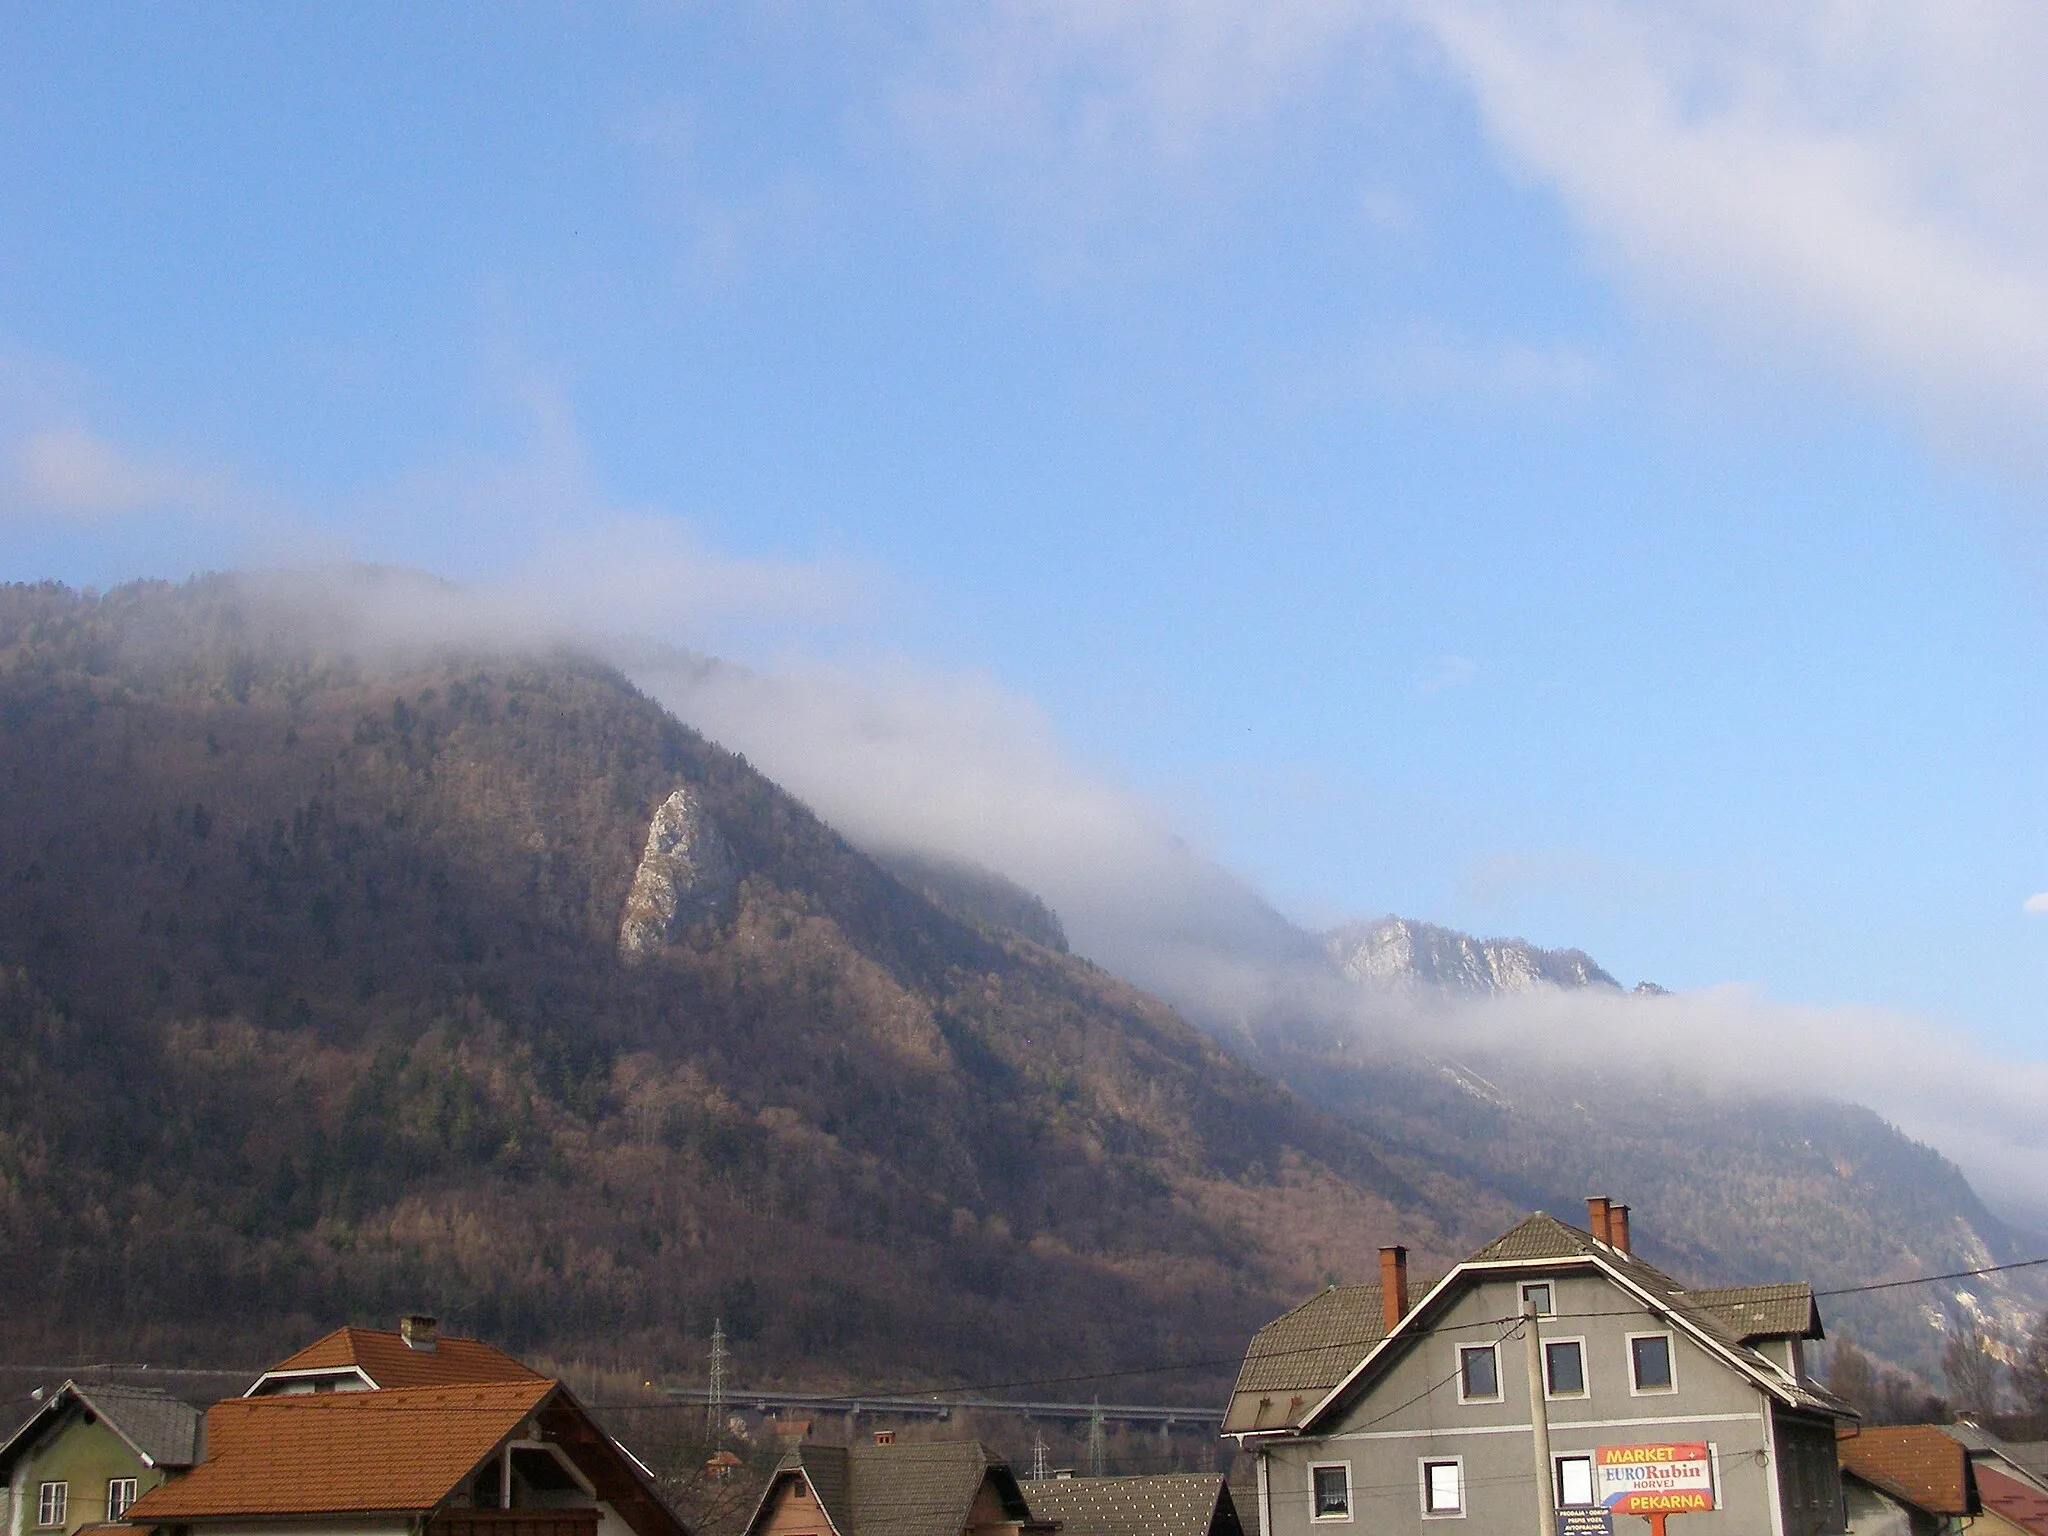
<point x="686" y="874"/>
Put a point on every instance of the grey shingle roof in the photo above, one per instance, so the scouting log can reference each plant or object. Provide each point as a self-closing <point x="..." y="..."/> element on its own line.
<point x="2031" y="1455"/>
<point x="1539" y="1236"/>
<point x="912" y="1488"/>
<point x="156" y="1424"/>
<point x="1301" y="1354"/>
<point x="1181" y="1504"/>
<point x="1753" y="1312"/>
<point x="1295" y="1361"/>
<point x="160" y="1428"/>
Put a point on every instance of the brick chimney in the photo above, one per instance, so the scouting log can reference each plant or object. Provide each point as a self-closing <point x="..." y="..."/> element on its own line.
<point x="1394" y="1284"/>
<point x="419" y="1331"/>
<point x="885" y="1437"/>
<point x="1596" y="1217"/>
<point x="1617" y="1227"/>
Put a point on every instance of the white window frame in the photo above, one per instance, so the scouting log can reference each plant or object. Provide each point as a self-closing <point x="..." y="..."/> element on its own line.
<point x="1490" y="1349"/>
<point x="1315" y="1514"/>
<point x="1585" y="1370"/>
<point x="1557" y="1479"/>
<point x="1422" y="1466"/>
<point x="121" y="1493"/>
<point x="1549" y="1287"/>
<point x="1670" y="1358"/>
<point x="53" y="1505"/>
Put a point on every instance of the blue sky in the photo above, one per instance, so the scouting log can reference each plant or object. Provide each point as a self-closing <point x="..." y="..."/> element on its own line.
<point x="1549" y="474"/>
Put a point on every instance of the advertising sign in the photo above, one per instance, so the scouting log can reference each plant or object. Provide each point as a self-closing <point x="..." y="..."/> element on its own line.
<point x="1584" y="1522"/>
<point x="1654" y="1479"/>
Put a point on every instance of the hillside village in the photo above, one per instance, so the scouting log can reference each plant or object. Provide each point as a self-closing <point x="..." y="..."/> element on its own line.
<point x="1553" y="1380"/>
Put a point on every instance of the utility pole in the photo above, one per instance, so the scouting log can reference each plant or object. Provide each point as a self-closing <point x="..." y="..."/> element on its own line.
<point x="1041" y="1467"/>
<point x="1539" y="1423"/>
<point x="714" y="1410"/>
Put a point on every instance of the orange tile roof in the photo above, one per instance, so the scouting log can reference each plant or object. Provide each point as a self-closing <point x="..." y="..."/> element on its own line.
<point x="403" y="1450"/>
<point x="1920" y="1463"/>
<point x="390" y="1362"/>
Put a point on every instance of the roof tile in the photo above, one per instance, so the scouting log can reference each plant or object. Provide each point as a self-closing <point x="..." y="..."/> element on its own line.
<point x="404" y="1449"/>
<point x="1920" y="1463"/>
<point x="1179" y="1504"/>
<point x="389" y="1361"/>
<point x="2024" y="1506"/>
<point x="906" y="1488"/>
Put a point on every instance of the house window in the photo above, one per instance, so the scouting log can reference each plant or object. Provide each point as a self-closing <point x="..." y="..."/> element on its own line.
<point x="1564" y="1367"/>
<point x="1536" y="1298"/>
<point x="1478" y="1374"/>
<point x="1574" y="1482"/>
<point x="120" y="1494"/>
<point x="1333" y="1491"/>
<point x="52" y="1501"/>
<point x="1443" y="1488"/>
<point x="1649" y="1362"/>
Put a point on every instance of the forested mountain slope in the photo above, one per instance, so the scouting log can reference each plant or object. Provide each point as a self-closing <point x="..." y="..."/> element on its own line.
<point x="312" y="1007"/>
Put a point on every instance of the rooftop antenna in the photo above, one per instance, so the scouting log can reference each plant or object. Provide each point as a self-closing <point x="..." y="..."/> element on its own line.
<point x="1040" y="1464"/>
<point x="1098" y="1443"/>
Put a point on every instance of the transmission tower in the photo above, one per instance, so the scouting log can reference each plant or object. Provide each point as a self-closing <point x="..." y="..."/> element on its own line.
<point x="714" y="1410"/>
<point x="1041" y="1466"/>
<point x="1098" y="1443"/>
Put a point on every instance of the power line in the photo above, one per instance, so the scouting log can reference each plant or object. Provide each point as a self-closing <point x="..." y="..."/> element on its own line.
<point x="1960" y="1274"/>
<point x="1371" y="1339"/>
<point x="1168" y="1368"/>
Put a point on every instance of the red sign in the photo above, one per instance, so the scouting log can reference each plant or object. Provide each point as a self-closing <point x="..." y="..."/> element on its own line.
<point x="1654" y="1479"/>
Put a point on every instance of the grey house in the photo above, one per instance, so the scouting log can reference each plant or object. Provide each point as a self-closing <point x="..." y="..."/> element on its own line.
<point x="1372" y="1412"/>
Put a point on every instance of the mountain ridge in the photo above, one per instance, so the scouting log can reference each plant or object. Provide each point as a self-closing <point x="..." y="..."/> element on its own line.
<point x="313" y="1009"/>
<point x="1400" y="951"/>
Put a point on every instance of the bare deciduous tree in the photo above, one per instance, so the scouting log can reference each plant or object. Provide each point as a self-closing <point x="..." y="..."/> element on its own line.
<point x="1970" y="1369"/>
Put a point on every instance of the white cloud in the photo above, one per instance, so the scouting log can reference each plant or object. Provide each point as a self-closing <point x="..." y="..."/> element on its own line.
<point x="535" y="534"/>
<point x="2037" y="903"/>
<point x="1871" y="177"/>
<point x="541" y="548"/>
<point x="1936" y="1083"/>
<point x="1158" y="81"/>
<point x="70" y="473"/>
<point x="896" y="756"/>
<point x="1861" y="183"/>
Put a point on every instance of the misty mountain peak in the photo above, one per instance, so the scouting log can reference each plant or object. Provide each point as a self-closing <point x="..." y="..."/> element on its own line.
<point x="1400" y="952"/>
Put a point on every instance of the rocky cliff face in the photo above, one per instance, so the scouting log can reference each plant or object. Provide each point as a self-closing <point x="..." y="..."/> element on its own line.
<point x="1399" y="952"/>
<point x="686" y="874"/>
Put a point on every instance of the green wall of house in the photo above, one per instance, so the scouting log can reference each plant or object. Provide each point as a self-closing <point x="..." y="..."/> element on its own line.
<point x="84" y="1456"/>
